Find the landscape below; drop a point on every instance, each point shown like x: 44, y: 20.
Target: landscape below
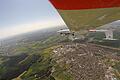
x: 55, y: 57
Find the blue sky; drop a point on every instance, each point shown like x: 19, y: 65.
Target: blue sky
x: 28, y: 14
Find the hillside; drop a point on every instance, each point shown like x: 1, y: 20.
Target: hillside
x: 20, y: 59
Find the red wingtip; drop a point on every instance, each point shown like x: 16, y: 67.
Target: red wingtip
x: 84, y: 4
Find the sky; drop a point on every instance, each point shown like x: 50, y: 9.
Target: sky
x: 21, y: 16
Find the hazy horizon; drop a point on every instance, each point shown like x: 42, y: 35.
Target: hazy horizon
x: 43, y: 29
